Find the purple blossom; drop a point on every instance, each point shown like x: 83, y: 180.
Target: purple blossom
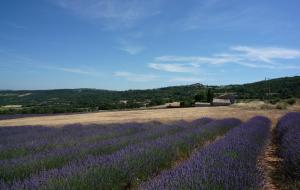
x: 131, y: 163
x: 288, y: 134
x: 55, y: 158
x: 229, y: 163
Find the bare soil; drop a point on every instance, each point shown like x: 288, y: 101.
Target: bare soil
x: 268, y: 163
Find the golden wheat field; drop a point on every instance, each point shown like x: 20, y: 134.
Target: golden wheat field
x: 162, y: 115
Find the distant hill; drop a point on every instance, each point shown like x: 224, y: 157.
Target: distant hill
x: 80, y: 100
x: 285, y: 87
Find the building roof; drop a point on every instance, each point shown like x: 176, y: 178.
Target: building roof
x: 223, y: 101
x: 227, y: 96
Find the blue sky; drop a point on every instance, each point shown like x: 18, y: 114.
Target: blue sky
x: 138, y: 44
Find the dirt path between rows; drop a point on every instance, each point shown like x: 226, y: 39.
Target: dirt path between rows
x: 181, y: 160
x: 269, y: 162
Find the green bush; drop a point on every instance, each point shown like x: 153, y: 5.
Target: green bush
x: 274, y: 101
x: 281, y: 105
x: 291, y: 101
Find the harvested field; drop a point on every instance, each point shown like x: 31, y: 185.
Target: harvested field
x: 162, y: 115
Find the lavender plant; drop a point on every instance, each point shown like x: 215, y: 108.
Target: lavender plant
x: 22, y: 167
x: 127, y: 166
x: 228, y: 164
x: 288, y: 136
x: 21, y: 141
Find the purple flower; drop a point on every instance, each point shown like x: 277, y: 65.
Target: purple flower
x: 132, y: 163
x: 229, y: 163
x: 288, y: 134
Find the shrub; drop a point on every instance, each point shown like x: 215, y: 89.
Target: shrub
x: 291, y: 101
x: 274, y: 101
x: 281, y: 105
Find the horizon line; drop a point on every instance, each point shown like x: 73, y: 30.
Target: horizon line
x: 86, y: 88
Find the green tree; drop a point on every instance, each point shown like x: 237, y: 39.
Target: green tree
x: 210, y: 95
x: 201, y: 96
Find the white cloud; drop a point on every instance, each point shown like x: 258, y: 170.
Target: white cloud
x: 26, y: 61
x: 115, y: 12
x: 185, y: 80
x: 198, y: 59
x: 122, y: 74
x: 176, y: 68
x: 130, y: 47
x: 253, y: 57
x: 135, y: 77
x: 226, y: 15
x: 267, y: 54
x: 72, y: 70
x: 133, y: 50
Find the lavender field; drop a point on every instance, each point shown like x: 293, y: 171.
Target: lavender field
x: 288, y: 139
x: 203, y: 154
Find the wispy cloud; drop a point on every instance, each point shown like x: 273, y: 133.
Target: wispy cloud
x: 135, y: 77
x: 130, y: 47
x: 26, y: 61
x: 133, y: 50
x: 229, y: 15
x: 14, y: 25
x: 72, y: 70
x: 115, y: 13
x: 185, y: 80
x: 225, y: 20
x: 267, y: 54
x: 253, y: 57
x: 197, y: 59
x: 176, y: 68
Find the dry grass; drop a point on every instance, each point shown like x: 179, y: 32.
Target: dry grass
x: 254, y: 105
x: 162, y: 115
x: 261, y: 105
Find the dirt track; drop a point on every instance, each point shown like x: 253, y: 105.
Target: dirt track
x: 163, y: 115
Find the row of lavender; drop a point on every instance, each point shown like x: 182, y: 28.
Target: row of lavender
x: 230, y: 163
x: 288, y: 136
x: 22, y: 167
x: 129, y: 163
x: 56, y: 151
x: 21, y: 141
